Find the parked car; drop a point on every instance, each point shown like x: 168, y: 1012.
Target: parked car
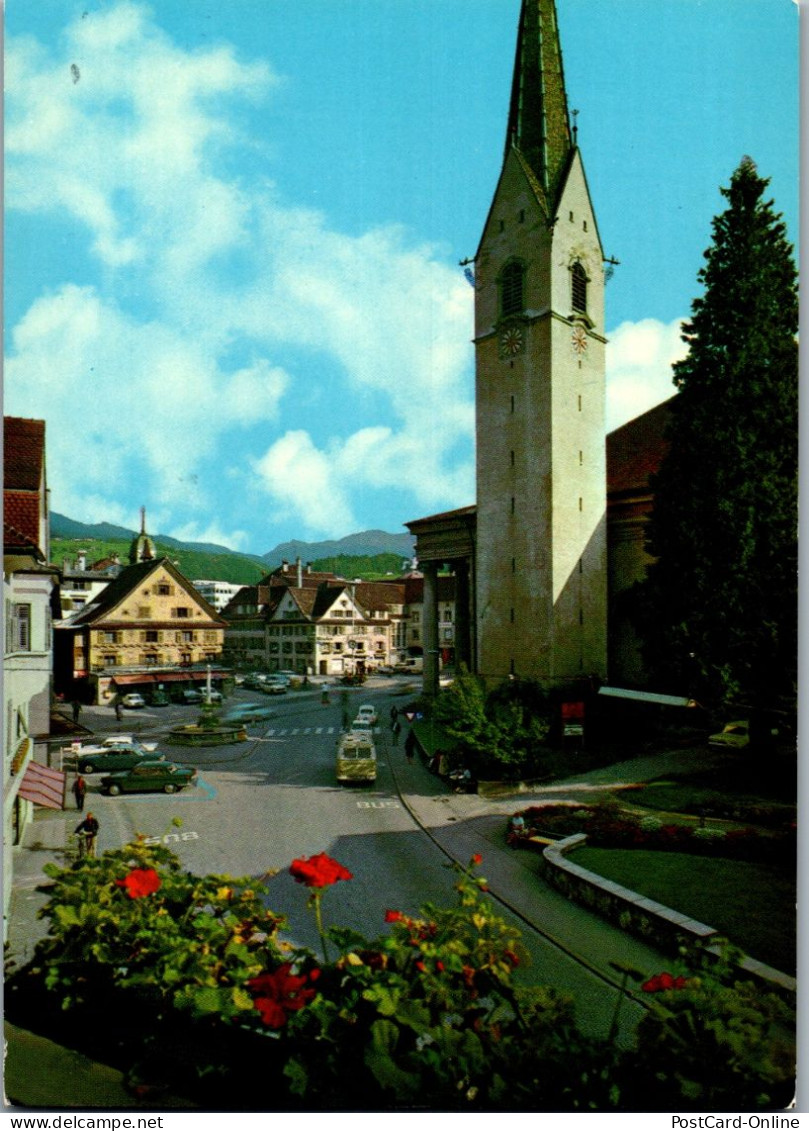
x: 249, y: 713
x: 368, y: 712
x: 149, y: 777
x: 735, y: 735
x: 192, y: 695
x: 114, y: 758
x: 133, y: 700
x: 128, y: 740
x: 272, y: 686
x: 159, y: 698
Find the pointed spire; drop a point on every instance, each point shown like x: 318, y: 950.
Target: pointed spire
x: 538, y: 122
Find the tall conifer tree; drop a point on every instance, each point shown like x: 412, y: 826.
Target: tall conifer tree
x: 721, y: 597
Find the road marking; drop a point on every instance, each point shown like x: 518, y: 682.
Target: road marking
x: 170, y: 838
x: 379, y: 805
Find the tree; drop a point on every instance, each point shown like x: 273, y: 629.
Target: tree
x: 721, y: 594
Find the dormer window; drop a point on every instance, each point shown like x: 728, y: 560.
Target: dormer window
x: 511, y: 289
x: 578, y: 288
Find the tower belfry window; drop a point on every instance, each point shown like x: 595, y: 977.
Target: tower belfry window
x: 578, y: 287
x: 511, y: 289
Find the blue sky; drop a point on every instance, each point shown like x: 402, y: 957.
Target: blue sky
x: 233, y: 233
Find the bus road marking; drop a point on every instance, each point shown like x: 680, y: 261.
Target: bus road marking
x: 379, y: 805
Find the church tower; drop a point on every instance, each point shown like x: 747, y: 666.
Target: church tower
x: 541, y: 555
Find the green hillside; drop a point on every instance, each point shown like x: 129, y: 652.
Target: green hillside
x: 236, y: 568
x: 193, y: 564
x: 373, y: 567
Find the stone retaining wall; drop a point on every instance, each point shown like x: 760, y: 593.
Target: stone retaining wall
x: 659, y: 925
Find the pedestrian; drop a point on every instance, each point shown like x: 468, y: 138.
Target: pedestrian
x: 79, y: 791
x: 394, y: 714
x: 410, y: 746
x: 118, y: 711
x: 87, y: 831
x: 76, y: 705
x: 396, y: 728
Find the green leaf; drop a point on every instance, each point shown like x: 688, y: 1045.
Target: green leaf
x: 379, y: 1059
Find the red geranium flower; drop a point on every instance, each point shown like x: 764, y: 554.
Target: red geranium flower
x: 319, y: 871
x: 281, y: 993
x: 660, y: 982
x: 140, y: 882
x: 477, y: 859
x: 393, y: 916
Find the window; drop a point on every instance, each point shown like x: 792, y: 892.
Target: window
x: 511, y: 288
x: 109, y: 637
x: 109, y: 661
x: 18, y: 628
x: 163, y: 589
x: 182, y: 612
x: 578, y: 284
x: 151, y: 636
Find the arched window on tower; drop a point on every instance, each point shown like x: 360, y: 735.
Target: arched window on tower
x: 578, y: 287
x: 511, y: 289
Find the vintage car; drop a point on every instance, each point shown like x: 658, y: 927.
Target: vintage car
x: 149, y: 777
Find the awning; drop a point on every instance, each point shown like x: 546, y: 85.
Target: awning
x: 165, y: 677
x: 647, y: 697
x: 43, y: 786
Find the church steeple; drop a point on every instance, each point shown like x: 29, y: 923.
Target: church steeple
x: 142, y: 548
x: 538, y: 122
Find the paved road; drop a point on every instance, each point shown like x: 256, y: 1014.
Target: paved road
x: 260, y: 804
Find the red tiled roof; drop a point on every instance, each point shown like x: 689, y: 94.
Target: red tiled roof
x: 636, y: 450
x: 23, y: 453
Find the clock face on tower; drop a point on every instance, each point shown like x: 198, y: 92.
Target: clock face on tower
x: 579, y: 339
x: 511, y: 341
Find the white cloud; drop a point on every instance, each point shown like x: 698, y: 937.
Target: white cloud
x: 126, y: 145
x: 297, y: 475
x: 639, y: 360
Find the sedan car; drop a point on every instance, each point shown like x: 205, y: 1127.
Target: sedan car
x: 368, y: 712
x: 149, y: 777
x: 272, y: 686
x: 114, y: 758
x: 133, y: 700
x: 129, y: 740
x: 249, y: 713
x: 734, y: 735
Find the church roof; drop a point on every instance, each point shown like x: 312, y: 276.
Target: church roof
x: 636, y: 450
x: 538, y: 121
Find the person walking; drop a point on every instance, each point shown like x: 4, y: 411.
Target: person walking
x: 410, y: 746
x: 394, y: 714
x: 118, y: 711
x: 87, y: 831
x: 396, y: 728
x: 79, y: 792
x: 76, y: 706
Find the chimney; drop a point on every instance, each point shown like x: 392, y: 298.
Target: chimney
x: 284, y: 565
x: 300, y: 572
x: 81, y: 560
x: 308, y: 567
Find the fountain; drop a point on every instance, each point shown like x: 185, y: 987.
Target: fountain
x: 209, y: 730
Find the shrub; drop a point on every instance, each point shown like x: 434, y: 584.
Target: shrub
x: 187, y: 983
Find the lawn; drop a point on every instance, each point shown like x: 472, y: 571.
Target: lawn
x: 752, y: 904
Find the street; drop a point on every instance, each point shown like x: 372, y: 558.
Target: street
x: 259, y: 804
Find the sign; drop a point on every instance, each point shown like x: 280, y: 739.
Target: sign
x: 573, y: 710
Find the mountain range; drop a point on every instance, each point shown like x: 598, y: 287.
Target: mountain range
x: 366, y: 544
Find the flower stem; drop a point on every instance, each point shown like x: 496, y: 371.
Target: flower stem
x: 316, y: 895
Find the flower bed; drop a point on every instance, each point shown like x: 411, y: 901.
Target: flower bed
x: 187, y: 984
x: 610, y: 826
